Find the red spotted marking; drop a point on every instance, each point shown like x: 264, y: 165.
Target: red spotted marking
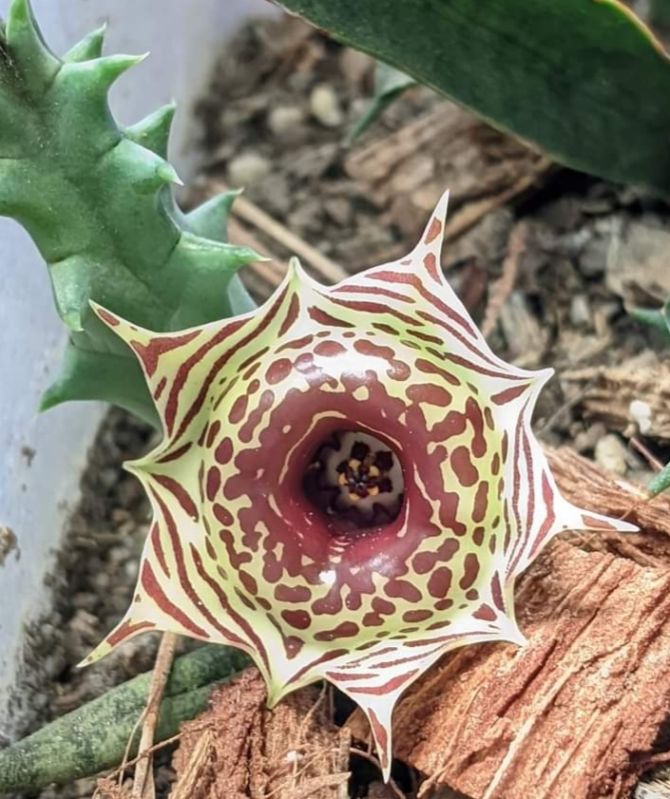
x: 375, y: 308
x: 154, y: 591
x: 224, y: 451
x: 594, y: 523
x: 485, y: 613
x: 430, y: 394
x: 480, y: 504
x: 434, y: 230
x: 298, y: 619
x: 108, y: 317
x: 179, y: 493
x: 509, y: 394
x: 127, y: 629
x: 374, y: 291
x: 430, y: 262
x: 197, y: 357
x: 160, y: 388
x: 175, y: 454
x: 435, y: 302
x: 386, y: 688
x: 324, y: 318
x: 157, y: 544
x: 380, y: 736
x: 329, y: 349
x: 296, y: 344
x: 294, y: 593
x: 347, y: 629
x: 277, y: 371
x: 291, y: 315
x: 213, y: 483
x: 461, y: 463
x: 151, y: 353
x: 239, y: 409
x: 470, y: 571
x: 439, y: 582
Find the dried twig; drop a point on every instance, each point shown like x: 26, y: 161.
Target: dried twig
x: 104, y: 783
x: 143, y: 784
x: 652, y: 461
x: 503, y: 287
x: 249, y: 212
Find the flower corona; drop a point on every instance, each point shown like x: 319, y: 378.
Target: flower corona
x: 348, y: 484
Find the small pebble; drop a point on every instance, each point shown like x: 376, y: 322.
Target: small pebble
x: 247, y: 168
x: 610, y: 454
x: 640, y: 412
x: 285, y: 118
x: 593, y: 260
x: 586, y: 440
x: 580, y: 311
x: 339, y: 210
x: 355, y: 66
x: 325, y: 106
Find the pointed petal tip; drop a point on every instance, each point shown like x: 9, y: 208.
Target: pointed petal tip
x: 295, y: 273
x: 598, y: 522
x: 109, y: 319
x: 442, y: 205
x: 542, y: 376
x: 511, y: 632
x: 627, y: 527
x: 97, y: 654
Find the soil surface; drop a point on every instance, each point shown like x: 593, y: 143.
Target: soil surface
x: 282, y: 101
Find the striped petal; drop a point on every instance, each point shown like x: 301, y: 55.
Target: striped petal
x: 348, y: 483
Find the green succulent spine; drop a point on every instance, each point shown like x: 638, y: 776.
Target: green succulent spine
x: 97, y: 200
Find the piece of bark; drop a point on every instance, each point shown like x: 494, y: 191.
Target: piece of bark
x: 445, y: 148
x: 239, y: 749
x: 608, y: 394
x: 577, y: 712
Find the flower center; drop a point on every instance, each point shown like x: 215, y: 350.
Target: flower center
x: 355, y: 479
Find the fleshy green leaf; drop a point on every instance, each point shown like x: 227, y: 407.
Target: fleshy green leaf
x: 89, y: 47
x: 584, y: 80
x: 96, y: 199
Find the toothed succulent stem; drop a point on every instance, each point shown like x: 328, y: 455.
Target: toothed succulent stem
x: 97, y: 201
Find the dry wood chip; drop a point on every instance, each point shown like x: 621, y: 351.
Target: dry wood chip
x: 626, y: 399
x: 447, y: 147
x: 238, y: 749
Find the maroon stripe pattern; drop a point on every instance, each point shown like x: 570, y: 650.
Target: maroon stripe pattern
x: 238, y: 554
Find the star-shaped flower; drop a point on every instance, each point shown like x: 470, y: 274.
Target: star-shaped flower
x: 348, y: 483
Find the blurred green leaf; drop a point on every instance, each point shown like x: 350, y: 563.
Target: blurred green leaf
x: 653, y: 317
x: 584, y: 80
x: 659, y: 14
x: 390, y: 83
x: 660, y: 482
